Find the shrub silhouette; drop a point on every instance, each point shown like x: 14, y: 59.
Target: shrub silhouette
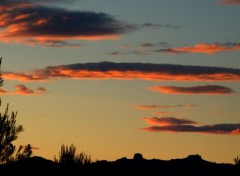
x: 23, y: 152
x: 68, y: 156
x: 237, y: 160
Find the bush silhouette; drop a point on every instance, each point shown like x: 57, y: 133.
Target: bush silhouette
x: 23, y: 152
x: 237, y: 160
x: 68, y: 156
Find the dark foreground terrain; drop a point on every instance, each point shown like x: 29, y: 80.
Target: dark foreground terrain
x: 192, y: 165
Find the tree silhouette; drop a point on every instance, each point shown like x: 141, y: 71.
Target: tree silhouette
x: 8, y: 131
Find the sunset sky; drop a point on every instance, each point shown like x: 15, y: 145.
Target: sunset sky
x: 156, y: 77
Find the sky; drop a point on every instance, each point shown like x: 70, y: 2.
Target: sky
x: 114, y: 78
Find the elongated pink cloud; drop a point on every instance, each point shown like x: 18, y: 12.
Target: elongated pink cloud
x: 168, y: 121
x: 150, y: 107
x: 172, y: 124
x: 230, y: 2
x: 203, y: 48
x: 23, y: 90
x: 208, y: 89
x: 128, y: 71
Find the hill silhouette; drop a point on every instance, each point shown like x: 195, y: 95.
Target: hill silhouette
x: 193, y: 165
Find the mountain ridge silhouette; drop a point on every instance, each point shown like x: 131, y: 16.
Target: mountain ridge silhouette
x: 192, y: 165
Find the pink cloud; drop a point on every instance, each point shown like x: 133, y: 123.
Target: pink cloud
x: 207, y: 89
x: 23, y: 90
x: 128, y: 71
x: 168, y: 121
x: 172, y: 124
x: 202, y: 48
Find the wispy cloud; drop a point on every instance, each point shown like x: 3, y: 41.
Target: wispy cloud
x: 202, y: 48
x: 128, y: 71
x: 147, y: 44
x: 152, y: 107
x: 143, y: 48
x: 117, y: 53
x: 207, y: 89
x: 173, y: 124
x: 23, y: 90
x: 229, y: 2
x: 54, y: 43
x: 157, y: 26
x: 22, y: 21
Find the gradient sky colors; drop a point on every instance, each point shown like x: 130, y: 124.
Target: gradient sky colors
x: 114, y: 78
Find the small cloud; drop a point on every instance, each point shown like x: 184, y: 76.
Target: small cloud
x: 2, y: 91
x: 151, y: 107
x: 168, y: 121
x: 208, y: 89
x: 41, y: 90
x: 150, y: 45
x: 229, y: 2
x: 202, y: 48
x: 173, y: 124
x: 157, y: 26
x: 23, y: 90
x: 54, y: 43
x: 116, y: 53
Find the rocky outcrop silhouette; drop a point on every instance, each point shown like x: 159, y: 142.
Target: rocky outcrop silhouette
x: 193, y: 165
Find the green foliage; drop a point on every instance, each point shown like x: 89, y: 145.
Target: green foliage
x: 237, y: 160
x: 68, y: 156
x: 8, y: 133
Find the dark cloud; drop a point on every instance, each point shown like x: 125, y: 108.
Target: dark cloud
x: 28, y: 21
x: 156, y: 26
x: 54, y: 43
x: 128, y: 71
x: 150, y: 107
x: 117, y: 53
x: 143, y: 48
x: 169, y: 50
x: 207, y: 89
x: 172, y: 124
x: 147, y: 44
